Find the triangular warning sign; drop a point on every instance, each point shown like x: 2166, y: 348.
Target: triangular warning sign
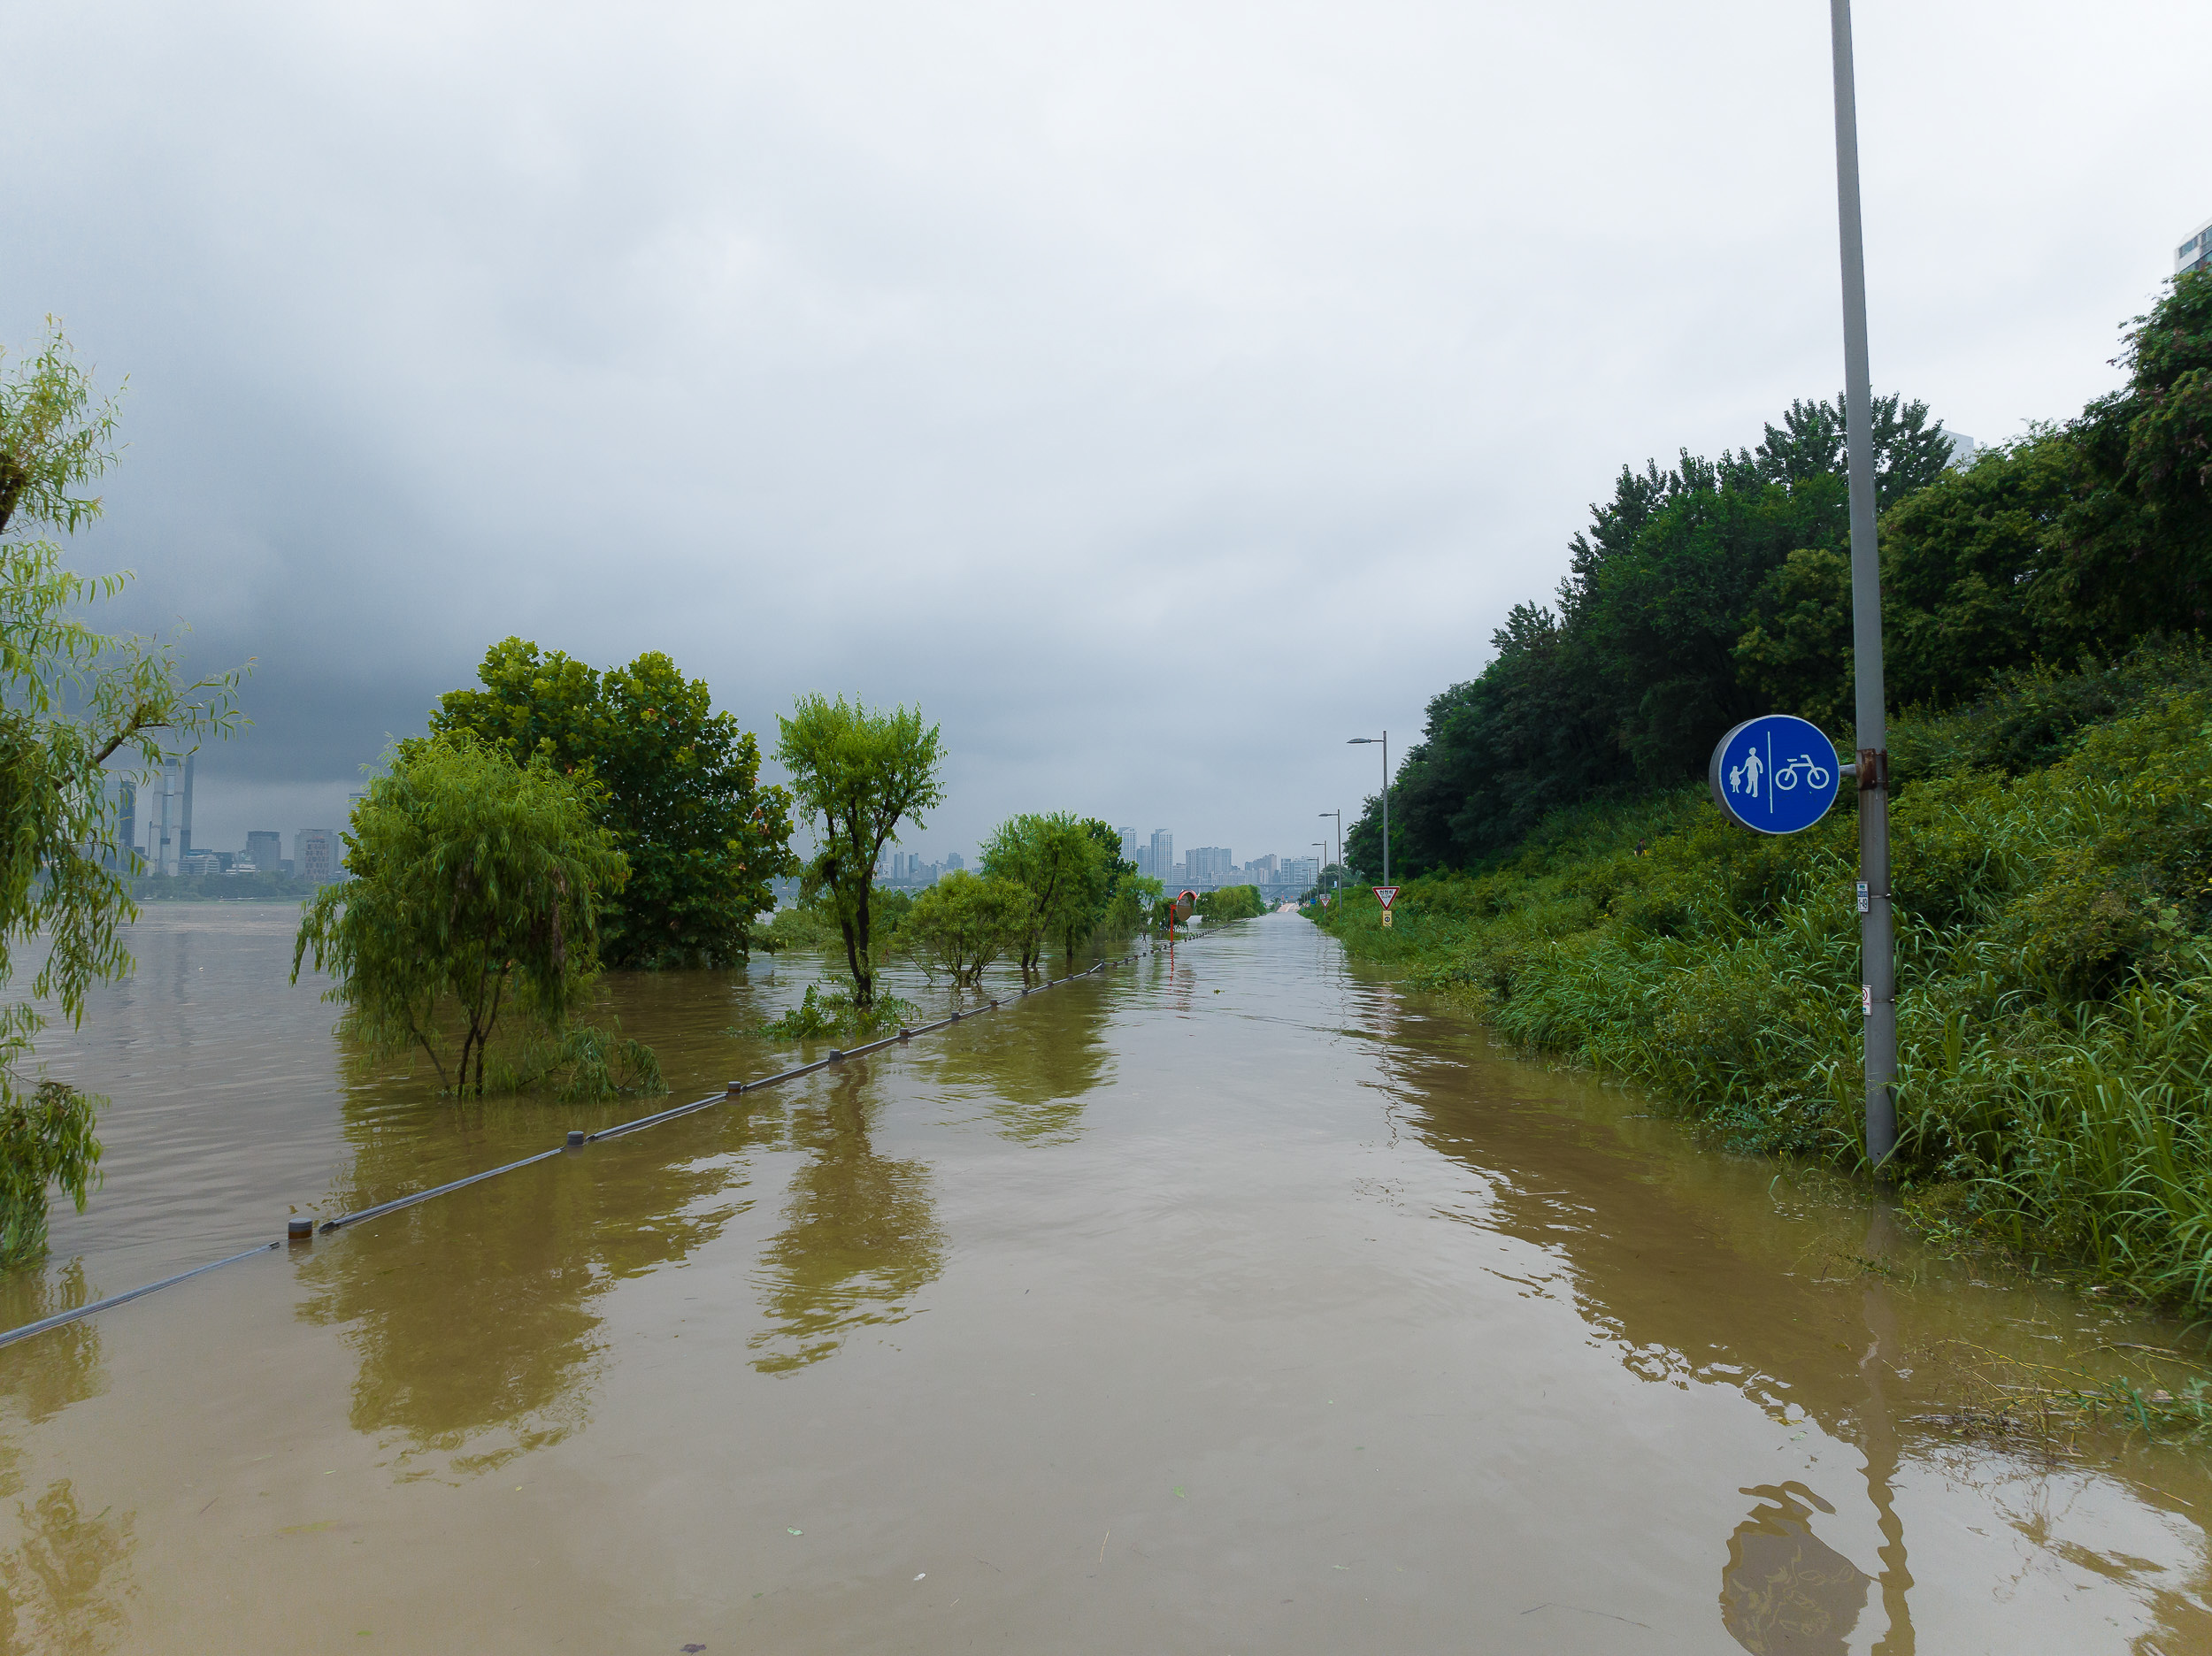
x: 1385, y: 892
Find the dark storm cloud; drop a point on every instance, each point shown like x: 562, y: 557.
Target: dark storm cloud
x: 1157, y: 395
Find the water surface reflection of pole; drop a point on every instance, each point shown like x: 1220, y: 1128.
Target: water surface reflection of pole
x: 1878, y: 948
x: 1882, y: 1446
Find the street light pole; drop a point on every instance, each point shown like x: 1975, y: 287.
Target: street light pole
x: 1385, y: 739
x: 1322, y: 846
x: 1340, y: 844
x: 1878, y: 943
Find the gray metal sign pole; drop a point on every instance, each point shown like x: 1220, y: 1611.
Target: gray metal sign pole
x: 1878, y: 943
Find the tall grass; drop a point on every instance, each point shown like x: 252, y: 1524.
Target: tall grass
x: 2054, y: 880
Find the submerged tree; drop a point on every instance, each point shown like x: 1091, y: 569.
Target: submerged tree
x: 862, y: 774
x: 1061, y: 867
x: 679, y: 790
x: 962, y: 923
x: 476, y: 892
x: 72, y: 701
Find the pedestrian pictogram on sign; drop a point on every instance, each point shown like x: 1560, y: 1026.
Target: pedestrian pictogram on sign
x: 1775, y: 774
x: 1387, y: 893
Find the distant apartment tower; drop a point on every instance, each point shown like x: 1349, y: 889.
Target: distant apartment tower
x: 1209, y: 862
x: 264, y: 849
x: 953, y: 861
x: 1131, y: 846
x: 125, y: 854
x: 2195, y: 254
x: 1263, y: 870
x: 169, y: 836
x: 1163, y: 863
x: 315, y: 855
x: 1963, y: 449
x: 1303, y: 873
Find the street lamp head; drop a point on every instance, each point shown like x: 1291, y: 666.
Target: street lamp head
x: 1356, y: 740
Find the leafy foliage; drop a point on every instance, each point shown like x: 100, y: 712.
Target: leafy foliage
x: 678, y: 790
x: 861, y: 774
x: 962, y: 923
x: 478, y: 889
x: 72, y: 701
x: 46, y: 1137
x: 1230, y: 902
x: 1060, y: 866
x: 837, y: 1015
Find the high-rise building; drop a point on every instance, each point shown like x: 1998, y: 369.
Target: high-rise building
x: 184, y: 831
x: 1129, y: 845
x: 126, y: 857
x: 952, y: 861
x: 1210, y: 862
x: 2195, y: 254
x: 162, y: 841
x: 264, y: 849
x: 1963, y: 449
x: 1303, y: 873
x: 1262, y: 870
x: 315, y: 853
x: 1163, y: 865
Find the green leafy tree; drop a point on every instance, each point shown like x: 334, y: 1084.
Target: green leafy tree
x: 1230, y: 902
x: 1121, y: 898
x: 2081, y: 538
x: 72, y: 701
x: 962, y: 923
x: 861, y: 774
x: 476, y: 892
x: 679, y: 789
x: 1795, y: 657
x: 1055, y: 859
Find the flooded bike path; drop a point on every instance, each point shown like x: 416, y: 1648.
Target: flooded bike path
x: 1231, y: 1303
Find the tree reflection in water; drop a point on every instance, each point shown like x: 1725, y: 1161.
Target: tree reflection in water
x: 860, y: 1236
x: 1701, y: 1270
x: 46, y: 1374
x: 65, y: 1576
x: 1033, y: 1068
x: 474, y: 1315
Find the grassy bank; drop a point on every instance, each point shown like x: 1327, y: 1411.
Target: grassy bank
x: 2053, y: 876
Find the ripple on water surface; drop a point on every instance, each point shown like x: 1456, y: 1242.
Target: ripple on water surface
x: 1234, y: 1301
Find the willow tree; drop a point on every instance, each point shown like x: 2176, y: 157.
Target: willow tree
x: 861, y: 774
x: 74, y: 701
x: 477, y: 893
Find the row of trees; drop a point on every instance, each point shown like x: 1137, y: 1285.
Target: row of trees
x: 1719, y: 589
x: 1046, y: 878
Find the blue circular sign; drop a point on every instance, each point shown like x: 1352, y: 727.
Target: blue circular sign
x: 1775, y: 775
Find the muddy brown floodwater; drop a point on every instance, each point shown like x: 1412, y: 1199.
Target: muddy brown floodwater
x: 1238, y: 1302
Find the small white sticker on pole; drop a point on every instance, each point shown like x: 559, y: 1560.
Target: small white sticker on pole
x: 1864, y: 902
x: 1387, y: 893
x: 1866, y: 999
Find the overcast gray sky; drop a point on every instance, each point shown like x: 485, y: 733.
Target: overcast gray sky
x: 1157, y: 395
